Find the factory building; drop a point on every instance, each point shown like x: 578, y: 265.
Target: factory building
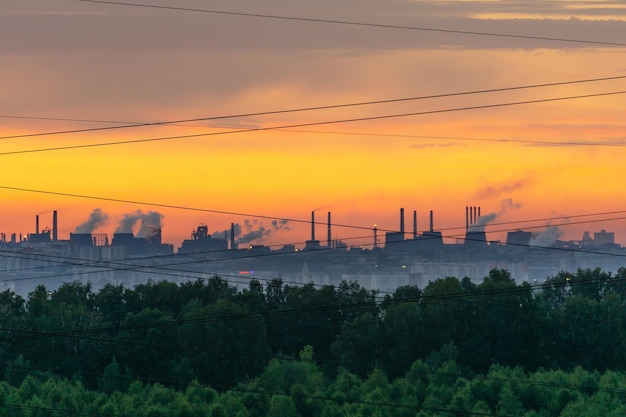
x: 202, y: 242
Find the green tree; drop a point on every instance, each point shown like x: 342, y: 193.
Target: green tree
x: 147, y: 345
x: 224, y: 346
x: 358, y: 346
x: 282, y: 406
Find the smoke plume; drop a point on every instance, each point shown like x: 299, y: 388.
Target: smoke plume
x: 546, y: 238
x: 96, y: 219
x: 150, y: 221
x: 220, y: 234
x: 252, y: 230
x: 482, y: 221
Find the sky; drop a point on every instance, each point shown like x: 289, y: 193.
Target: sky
x: 70, y: 65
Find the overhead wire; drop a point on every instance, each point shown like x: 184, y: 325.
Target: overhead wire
x: 115, y: 265
x: 118, y: 265
x: 445, y: 297
x: 482, y: 377
x: 363, y: 24
x: 437, y: 299
x: 617, y: 142
x: 604, y: 319
x: 420, y: 299
x: 307, y: 124
x: 289, y: 219
x: 109, y: 2
x: 126, y: 125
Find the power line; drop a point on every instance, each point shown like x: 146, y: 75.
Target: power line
x: 289, y: 219
x: 456, y: 296
x: 421, y: 299
x: 126, y: 125
x: 363, y: 24
x: 616, y: 143
x: 327, y: 122
x: 125, y: 267
x: 167, y: 271
x: 342, y: 225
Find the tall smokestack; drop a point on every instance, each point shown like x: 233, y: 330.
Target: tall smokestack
x: 474, y: 216
x: 478, y: 214
x: 431, y: 221
x: 312, y: 225
x: 232, y: 236
x: 55, y: 228
x: 402, y: 222
x: 37, y: 224
x: 414, y: 224
x: 466, y: 218
x: 329, y: 237
x: 375, y: 236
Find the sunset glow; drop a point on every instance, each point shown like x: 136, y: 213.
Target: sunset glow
x: 551, y: 159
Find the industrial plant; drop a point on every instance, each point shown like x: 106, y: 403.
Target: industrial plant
x: 43, y: 258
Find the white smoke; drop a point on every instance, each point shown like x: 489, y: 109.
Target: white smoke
x: 252, y: 230
x: 150, y: 221
x: 546, y: 238
x: 96, y: 219
x: 482, y: 221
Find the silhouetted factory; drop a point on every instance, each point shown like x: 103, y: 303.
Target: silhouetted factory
x: 42, y: 258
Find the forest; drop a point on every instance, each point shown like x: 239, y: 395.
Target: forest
x: 207, y: 348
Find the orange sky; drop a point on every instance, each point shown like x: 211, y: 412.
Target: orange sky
x: 363, y: 172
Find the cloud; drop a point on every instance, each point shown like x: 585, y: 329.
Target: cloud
x: 96, y: 219
x: 433, y: 145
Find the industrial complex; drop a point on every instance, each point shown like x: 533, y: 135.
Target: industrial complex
x: 398, y: 258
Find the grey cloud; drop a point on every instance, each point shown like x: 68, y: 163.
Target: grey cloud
x: 168, y: 29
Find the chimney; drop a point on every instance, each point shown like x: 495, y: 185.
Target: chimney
x: 402, y: 222
x: 414, y: 224
x: 478, y: 213
x: 55, y: 235
x: 232, y: 236
x: 329, y: 234
x: 312, y: 226
x: 37, y: 224
x: 431, y: 221
x: 375, y: 236
x: 466, y: 218
x: 474, y: 216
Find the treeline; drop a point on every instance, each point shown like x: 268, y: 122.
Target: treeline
x: 212, y: 334
x: 437, y: 387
